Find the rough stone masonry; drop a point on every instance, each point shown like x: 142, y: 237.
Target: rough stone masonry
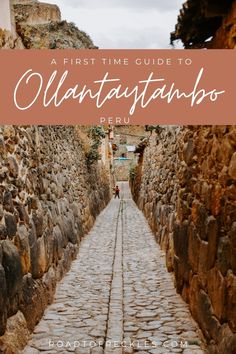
x: 186, y: 185
x: 49, y: 199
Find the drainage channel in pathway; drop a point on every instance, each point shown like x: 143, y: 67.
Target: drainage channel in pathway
x: 118, y: 296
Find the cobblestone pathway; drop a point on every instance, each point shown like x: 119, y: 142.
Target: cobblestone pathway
x: 118, y: 290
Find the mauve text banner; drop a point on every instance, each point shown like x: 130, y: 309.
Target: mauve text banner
x: 117, y: 87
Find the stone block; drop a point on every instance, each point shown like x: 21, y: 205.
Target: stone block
x: 33, y: 249
x: 193, y: 248
x: 49, y: 283
x: 230, y: 302
x: 226, y: 151
x: 22, y: 244
x: 205, y: 315
x: 49, y: 247
x: 23, y: 216
x: 13, y: 273
x: 2, y: 148
x: 179, y: 274
x: 33, y: 290
x: 224, y: 255
x: 216, y: 292
x: 181, y: 240
x: 189, y: 151
x: 203, y: 266
x: 9, y: 131
x: 232, y: 167
x: 3, y: 301
x: 1, y: 212
x: 199, y: 215
x: 11, y: 225
x: 231, y: 136
x: 13, y: 167
x: 212, y: 237
x: 69, y: 229
x: 38, y: 257
x: 8, y: 202
x: 38, y: 220
x: 232, y: 237
x: 16, y: 335
x: 3, y: 232
x: 231, y: 192
x: 58, y: 238
x: 41, y: 257
x: 227, y: 341
x: 205, y: 193
x: 216, y: 200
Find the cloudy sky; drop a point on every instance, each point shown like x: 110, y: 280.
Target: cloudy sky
x: 144, y: 24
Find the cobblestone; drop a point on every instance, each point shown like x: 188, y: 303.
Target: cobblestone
x: 118, y: 296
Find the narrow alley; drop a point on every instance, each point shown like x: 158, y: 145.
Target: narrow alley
x: 118, y: 296
x: 153, y: 272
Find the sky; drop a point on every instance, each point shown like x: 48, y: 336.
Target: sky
x: 127, y: 24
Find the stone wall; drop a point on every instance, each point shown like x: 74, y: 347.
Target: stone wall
x: 207, y: 24
x: 49, y: 199
x: 185, y: 184
x: 36, y: 13
x: 225, y: 36
x: 38, y: 25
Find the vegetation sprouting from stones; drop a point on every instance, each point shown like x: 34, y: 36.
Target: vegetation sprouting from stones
x: 96, y: 133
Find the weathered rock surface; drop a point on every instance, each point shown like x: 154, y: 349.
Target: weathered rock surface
x: 54, y: 35
x: 186, y: 187
x: 49, y: 199
x: 38, y: 25
x: 17, y: 335
x: 207, y: 24
x: 9, y: 40
x: 35, y: 13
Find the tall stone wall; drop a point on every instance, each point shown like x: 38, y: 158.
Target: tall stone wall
x: 207, y: 24
x: 225, y: 36
x: 185, y: 184
x: 49, y: 199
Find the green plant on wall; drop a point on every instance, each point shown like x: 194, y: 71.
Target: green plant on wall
x: 96, y: 133
x: 132, y: 173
